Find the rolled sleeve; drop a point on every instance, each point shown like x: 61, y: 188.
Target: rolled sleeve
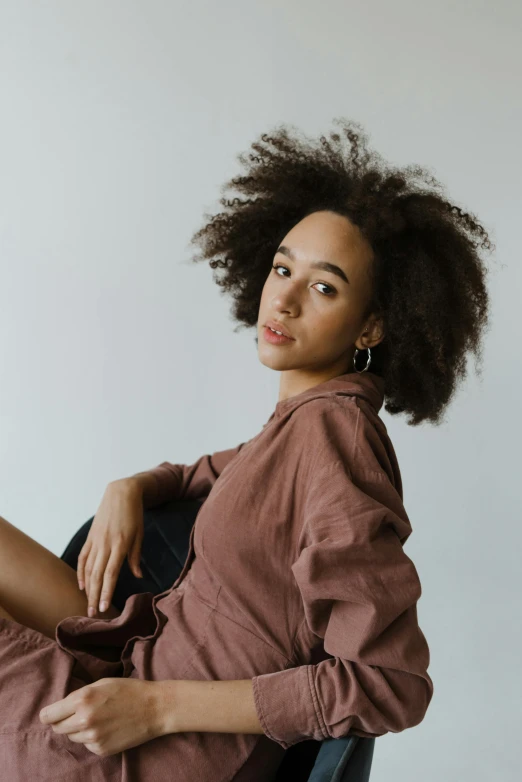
x: 285, y: 724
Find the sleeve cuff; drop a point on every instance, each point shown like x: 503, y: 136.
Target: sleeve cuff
x: 287, y: 706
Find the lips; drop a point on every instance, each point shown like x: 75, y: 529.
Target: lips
x: 273, y: 324
x: 276, y: 339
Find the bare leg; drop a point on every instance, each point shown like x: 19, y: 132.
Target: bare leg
x: 37, y: 588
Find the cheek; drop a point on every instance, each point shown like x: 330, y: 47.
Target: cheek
x: 268, y: 292
x: 334, y: 328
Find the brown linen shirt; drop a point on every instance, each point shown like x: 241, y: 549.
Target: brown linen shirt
x: 296, y: 578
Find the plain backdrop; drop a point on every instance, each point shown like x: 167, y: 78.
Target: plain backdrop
x: 120, y: 121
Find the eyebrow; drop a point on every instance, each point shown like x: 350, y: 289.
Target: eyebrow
x: 324, y: 265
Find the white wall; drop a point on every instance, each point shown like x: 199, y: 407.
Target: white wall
x: 119, y: 122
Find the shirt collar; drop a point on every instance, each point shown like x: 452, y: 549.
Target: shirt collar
x: 366, y: 385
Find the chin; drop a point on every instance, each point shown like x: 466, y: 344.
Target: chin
x: 273, y: 363
x: 272, y: 360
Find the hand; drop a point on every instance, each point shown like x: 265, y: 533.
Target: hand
x: 116, y: 530
x: 108, y: 716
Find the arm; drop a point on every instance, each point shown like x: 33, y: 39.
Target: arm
x: 207, y: 706
x: 375, y: 683
x: 170, y: 481
x: 360, y: 593
x: 376, y: 680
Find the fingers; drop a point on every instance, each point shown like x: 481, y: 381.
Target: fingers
x: 103, y: 575
x: 82, y: 558
x: 99, y: 568
x: 110, y: 577
x: 135, y: 555
x: 94, y: 570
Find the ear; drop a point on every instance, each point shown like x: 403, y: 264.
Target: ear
x: 371, y: 334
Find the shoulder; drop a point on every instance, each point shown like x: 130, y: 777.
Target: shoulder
x: 352, y: 478
x: 339, y: 428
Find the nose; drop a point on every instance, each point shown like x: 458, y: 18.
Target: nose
x: 286, y: 301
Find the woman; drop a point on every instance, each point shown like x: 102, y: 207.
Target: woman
x: 295, y: 615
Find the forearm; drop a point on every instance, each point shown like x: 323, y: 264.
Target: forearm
x: 206, y: 706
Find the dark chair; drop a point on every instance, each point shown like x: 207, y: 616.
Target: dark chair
x: 164, y: 551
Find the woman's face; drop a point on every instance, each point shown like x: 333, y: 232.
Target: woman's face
x: 320, y: 308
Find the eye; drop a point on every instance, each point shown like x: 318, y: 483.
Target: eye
x: 279, y: 266
x: 332, y: 290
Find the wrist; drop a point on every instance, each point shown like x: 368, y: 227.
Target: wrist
x: 184, y: 705
x: 132, y: 485
x: 164, y: 711
x: 144, y: 485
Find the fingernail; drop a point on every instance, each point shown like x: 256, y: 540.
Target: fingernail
x: 81, y: 584
x: 103, y: 605
x: 90, y: 611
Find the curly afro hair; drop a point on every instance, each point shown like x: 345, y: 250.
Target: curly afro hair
x: 428, y: 279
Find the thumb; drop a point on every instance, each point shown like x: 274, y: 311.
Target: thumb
x: 134, y: 556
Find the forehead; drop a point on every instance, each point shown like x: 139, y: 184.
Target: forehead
x: 328, y: 236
